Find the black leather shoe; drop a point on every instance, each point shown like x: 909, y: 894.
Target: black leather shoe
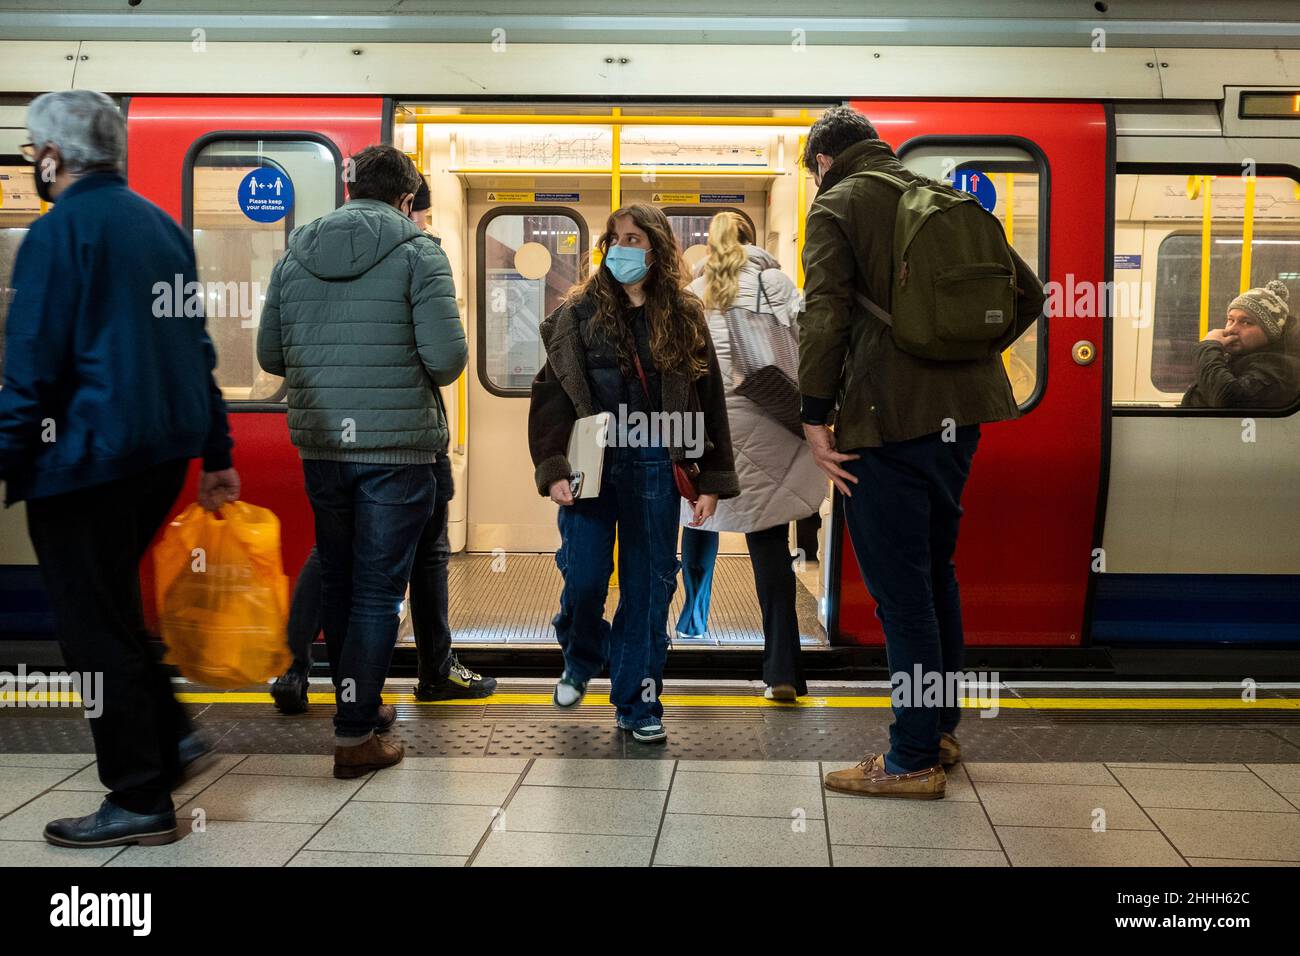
x: 460, y: 682
x: 111, y: 825
x: 290, y: 693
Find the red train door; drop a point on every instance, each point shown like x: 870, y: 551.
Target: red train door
x: 1031, y: 503
x: 193, y: 156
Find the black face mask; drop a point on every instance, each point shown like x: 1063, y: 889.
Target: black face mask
x: 44, y: 185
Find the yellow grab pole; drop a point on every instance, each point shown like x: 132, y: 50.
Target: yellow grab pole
x: 1247, y: 233
x: 801, y: 210
x: 616, y: 161
x: 615, y: 200
x: 1207, y: 221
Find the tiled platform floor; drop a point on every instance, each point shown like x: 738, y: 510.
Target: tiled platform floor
x: 287, y: 810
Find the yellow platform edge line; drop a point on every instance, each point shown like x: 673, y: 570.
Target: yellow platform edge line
x: 877, y: 702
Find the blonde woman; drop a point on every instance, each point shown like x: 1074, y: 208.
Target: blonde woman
x: 751, y: 307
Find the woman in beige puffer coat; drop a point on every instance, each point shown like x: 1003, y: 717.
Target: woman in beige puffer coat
x: 752, y: 308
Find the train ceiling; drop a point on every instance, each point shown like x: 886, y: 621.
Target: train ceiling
x: 1257, y: 24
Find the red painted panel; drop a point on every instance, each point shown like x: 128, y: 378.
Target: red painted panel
x: 161, y: 130
x: 1025, y: 547
x: 160, y: 133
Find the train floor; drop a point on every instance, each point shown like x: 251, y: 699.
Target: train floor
x: 511, y: 598
x: 1054, y: 774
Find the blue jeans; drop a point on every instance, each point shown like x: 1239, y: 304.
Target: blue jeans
x: 368, y: 521
x: 638, y: 497
x: 429, y: 601
x: 699, y: 556
x: 903, y: 517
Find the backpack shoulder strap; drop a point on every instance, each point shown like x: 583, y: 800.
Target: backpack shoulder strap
x: 874, y: 309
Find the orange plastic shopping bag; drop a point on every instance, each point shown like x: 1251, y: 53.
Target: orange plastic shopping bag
x: 223, y: 596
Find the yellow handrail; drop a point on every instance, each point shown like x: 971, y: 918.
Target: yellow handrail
x: 1207, y: 221
x: 801, y: 206
x: 714, y: 171
x: 1247, y: 233
x: 614, y: 117
x: 615, y: 200
x: 615, y: 164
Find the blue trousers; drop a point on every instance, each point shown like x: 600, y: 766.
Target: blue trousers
x: 429, y: 596
x: 368, y: 521
x: 639, y: 498
x: 903, y: 516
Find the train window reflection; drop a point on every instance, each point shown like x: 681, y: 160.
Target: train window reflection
x: 236, y: 253
x: 691, y: 227
x: 1009, y: 180
x: 528, y: 261
x: 19, y: 206
x: 1179, y: 244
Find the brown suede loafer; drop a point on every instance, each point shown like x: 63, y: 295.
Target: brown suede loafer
x: 374, y: 753
x: 949, y: 750
x: 870, y: 779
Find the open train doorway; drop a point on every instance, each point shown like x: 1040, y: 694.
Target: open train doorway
x: 520, y: 196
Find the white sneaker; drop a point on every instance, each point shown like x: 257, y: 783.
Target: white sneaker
x: 650, y: 734
x: 567, y: 692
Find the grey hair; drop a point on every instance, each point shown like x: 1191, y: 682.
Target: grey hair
x: 85, y: 125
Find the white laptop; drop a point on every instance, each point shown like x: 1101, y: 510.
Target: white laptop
x: 587, y: 454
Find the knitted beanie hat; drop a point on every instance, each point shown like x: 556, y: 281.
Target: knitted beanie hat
x: 422, y: 199
x: 1267, y: 306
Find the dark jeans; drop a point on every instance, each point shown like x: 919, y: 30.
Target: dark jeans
x: 428, y: 593
x: 368, y: 522
x: 638, y: 496
x: 769, y: 553
x: 903, y: 517
x: 89, y: 544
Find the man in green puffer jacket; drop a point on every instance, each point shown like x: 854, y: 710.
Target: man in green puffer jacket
x: 361, y: 320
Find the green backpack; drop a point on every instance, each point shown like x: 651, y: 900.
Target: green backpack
x: 954, y: 285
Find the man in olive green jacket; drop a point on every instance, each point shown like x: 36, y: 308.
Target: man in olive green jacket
x: 361, y: 319
x: 906, y: 430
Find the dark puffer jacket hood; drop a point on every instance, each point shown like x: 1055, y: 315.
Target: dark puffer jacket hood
x: 351, y: 240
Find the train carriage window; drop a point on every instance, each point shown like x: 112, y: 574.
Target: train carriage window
x: 528, y: 259
x: 1014, y: 183
x: 1170, y: 228
x: 19, y: 207
x: 236, y: 252
x: 690, y: 225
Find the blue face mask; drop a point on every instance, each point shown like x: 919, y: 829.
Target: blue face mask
x: 626, y: 264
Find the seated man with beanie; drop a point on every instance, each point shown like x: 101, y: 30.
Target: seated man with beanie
x: 1247, y: 363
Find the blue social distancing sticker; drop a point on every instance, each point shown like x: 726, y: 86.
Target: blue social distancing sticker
x: 978, y: 185
x: 266, y: 195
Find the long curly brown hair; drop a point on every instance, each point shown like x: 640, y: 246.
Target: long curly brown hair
x: 674, y: 316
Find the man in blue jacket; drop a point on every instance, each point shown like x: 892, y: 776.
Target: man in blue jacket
x: 107, y: 396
